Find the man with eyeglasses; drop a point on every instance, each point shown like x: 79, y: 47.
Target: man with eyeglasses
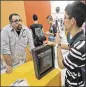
x: 75, y: 60
x: 14, y: 39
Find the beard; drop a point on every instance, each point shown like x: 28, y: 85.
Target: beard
x: 19, y: 27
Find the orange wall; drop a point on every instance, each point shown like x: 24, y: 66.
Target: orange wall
x: 41, y: 8
x: 25, y: 9
x: 8, y: 7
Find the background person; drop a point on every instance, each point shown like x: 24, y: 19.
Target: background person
x: 52, y: 30
x: 38, y: 33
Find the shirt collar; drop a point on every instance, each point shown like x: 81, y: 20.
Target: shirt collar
x: 75, y: 36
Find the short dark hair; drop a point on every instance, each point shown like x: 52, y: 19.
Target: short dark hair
x: 50, y: 18
x: 78, y: 11
x: 35, y: 17
x: 11, y: 15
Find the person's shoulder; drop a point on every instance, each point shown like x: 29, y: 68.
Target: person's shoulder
x: 27, y: 29
x: 33, y: 25
x: 40, y: 25
x: 6, y: 28
x: 24, y: 27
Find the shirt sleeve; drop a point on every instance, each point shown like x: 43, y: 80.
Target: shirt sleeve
x: 30, y: 39
x: 5, y: 49
x: 75, y: 58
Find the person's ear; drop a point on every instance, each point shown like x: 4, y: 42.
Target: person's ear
x: 73, y: 21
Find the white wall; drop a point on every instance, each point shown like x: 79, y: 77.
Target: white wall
x: 62, y: 5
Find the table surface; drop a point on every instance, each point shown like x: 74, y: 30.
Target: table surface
x: 27, y: 71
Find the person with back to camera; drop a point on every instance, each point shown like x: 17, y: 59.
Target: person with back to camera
x: 74, y: 17
x: 37, y: 30
x: 14, y: 39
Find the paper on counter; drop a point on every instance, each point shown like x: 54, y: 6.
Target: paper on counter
x: 20, y: 82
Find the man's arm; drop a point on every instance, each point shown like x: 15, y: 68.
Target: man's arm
x: 48, y: 33
x: 59, y: 52
x: 5, y: 50
x: 64, y: 46
x: 8, y: 61
x: 60, y: 57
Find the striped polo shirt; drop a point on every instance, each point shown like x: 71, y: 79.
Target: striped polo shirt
x: 74, y: 61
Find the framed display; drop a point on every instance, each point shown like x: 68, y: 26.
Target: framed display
x: 43, y: 58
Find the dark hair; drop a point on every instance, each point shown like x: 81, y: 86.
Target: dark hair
x: 50, y: 18
x: 11, y: 15
x: 35, y: 17
x: 78, y: 11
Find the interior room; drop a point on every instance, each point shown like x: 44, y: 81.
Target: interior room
x: 30, y: 53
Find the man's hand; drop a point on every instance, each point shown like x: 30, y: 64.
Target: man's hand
x: 9, y: 69
x: 8, y: 61
x: 58, y: 39
x: 50, y: 43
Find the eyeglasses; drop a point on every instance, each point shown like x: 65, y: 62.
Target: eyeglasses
x: 16, y: 21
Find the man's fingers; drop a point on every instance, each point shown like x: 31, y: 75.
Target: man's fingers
x: 9, y: 70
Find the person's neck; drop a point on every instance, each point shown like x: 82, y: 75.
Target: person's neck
x: 36, y: 22
x: 75, y: 30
